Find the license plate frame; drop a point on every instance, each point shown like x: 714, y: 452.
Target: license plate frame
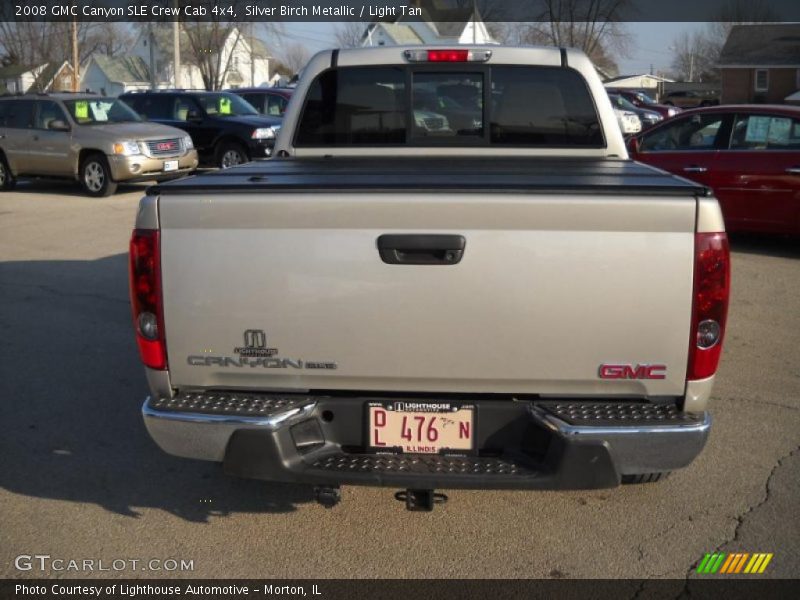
x: 170, y: 165
x: 446, y: 418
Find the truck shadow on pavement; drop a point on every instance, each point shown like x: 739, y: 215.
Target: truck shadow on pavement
x: 766, y: 245
x: 72, y: 388
x: 65, y: 187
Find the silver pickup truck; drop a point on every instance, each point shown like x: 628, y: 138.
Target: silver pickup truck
x: 451, y: 276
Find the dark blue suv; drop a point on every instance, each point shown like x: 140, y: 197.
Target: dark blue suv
x: 225, y: 129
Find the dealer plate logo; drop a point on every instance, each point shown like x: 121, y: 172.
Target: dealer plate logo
x: 255, y: 344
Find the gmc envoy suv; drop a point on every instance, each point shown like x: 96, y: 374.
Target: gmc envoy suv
x: 95, y: 140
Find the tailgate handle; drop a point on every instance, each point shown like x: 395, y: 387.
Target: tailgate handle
x: 421, y: 249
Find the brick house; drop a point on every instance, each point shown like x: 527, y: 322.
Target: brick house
x: 760, y: 63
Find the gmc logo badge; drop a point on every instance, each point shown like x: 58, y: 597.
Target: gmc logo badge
x: 165, y: 146
x: 633, y: 372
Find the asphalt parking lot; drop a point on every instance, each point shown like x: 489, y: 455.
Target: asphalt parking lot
x: 80, y: 478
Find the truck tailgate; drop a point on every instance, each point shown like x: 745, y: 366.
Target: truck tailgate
x: 287, y: 290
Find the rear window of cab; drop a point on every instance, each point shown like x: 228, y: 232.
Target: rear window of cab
x: 463, y: 106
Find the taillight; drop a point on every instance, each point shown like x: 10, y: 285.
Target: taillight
x: 712, y: 282
x: 454, y: 55
x: 145, y: 284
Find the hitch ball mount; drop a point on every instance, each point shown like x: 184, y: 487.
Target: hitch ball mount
x: 416, y: 500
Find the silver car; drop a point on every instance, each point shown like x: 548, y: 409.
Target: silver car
x: 95, y: 140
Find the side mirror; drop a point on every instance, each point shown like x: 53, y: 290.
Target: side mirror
x: 58, y: 125
x: 193, y: 115
x: 633, y: 146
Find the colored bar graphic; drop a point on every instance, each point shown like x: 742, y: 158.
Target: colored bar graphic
x: 734, y: 563
x: 701, y: 568
x: 727, y: 564
x: 752, y: 562
x: 767, y: 558
x: 712, y: 561
x: 717, y: 563
x: 740, y: 564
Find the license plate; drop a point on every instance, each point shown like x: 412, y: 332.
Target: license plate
x: 424, y: 428
x: 170, y: 165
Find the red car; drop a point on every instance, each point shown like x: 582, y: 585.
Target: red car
x: 749, y: 155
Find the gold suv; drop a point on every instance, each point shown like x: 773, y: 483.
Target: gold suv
x: 95, y: 140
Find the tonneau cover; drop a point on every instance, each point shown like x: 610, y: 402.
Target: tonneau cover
x: 530, y: 174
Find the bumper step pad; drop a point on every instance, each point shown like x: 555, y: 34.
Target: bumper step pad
x: 229, y: 403
x: 620, y: 414
x: 420, y: 464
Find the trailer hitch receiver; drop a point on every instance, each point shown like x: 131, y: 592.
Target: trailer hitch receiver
x: 327, y: 495
x: 420, y: 500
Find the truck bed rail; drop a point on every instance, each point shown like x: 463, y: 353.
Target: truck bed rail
x: 528, y: 174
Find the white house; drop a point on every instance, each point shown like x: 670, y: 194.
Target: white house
x: 246, y: 57
x: 645, y: 81
x: 402, y: 31
x: 114, y: 76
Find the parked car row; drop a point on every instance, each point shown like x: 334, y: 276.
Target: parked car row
x: 141, y: 136
x: 749, y: 155
x: 636, y: 111
x: 641, y: 100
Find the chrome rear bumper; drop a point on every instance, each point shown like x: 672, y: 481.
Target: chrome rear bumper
x: 206, y: 436
x: 519, y: 444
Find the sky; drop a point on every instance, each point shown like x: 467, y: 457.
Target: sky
x: 649, y: 45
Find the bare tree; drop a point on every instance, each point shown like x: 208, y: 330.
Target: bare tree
x: 209, y: 45
x: 293, y: 56
x: 210, y: 48
x: 280, y: 69
x: 696, y: 56
x: 113, y: 39
x: 350, y: 34
x: 594, y: 26
x: 36, y: 43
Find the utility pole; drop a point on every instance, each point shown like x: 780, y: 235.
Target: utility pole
x: 176, y: 52
x: 691, y: 66
x: 150, y: 39
x: 252, y: 56
x: 474, y: 19
x: 75, y: 66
